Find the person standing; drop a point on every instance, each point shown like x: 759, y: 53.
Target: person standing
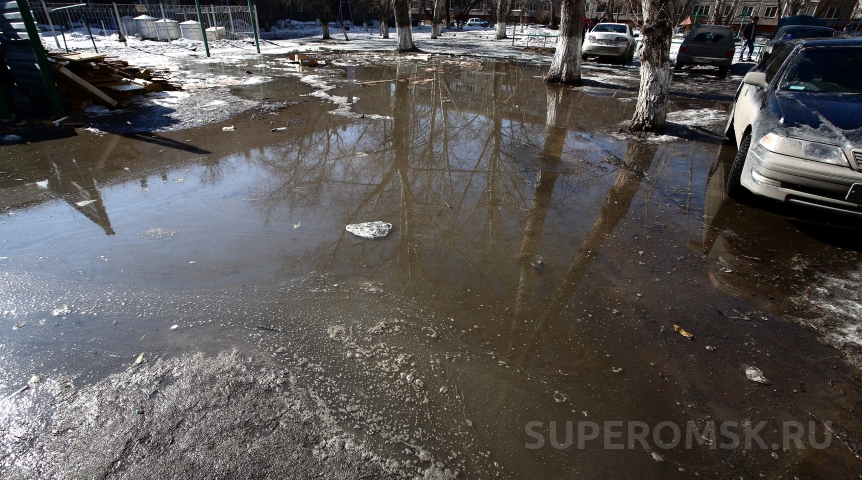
x: 748, y: 33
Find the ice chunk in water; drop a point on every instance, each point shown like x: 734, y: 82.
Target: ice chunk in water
x: 369, y: 229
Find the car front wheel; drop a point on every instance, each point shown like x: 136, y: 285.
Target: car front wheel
x: 735, y: 190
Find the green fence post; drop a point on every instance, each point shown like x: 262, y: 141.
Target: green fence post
x: 203, y: 29
x: 41, y: 57
x: 254, y: 25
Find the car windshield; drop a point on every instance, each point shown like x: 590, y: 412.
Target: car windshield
x: 708, y: 37
x: 610, y: 28
x: 826, y: 70
x: 791, y: 33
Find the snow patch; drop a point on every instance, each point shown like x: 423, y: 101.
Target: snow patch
x: 703, y: 117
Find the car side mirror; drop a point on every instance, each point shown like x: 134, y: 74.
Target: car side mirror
x: 758, y: 79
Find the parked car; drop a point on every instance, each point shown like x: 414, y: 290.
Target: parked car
x: 477, y: 22
x: 610, y: 40
x: 797, y: 123
x: 710, y: 45
x: 790, y: 32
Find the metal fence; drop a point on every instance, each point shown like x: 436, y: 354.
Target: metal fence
x: 108, y: 19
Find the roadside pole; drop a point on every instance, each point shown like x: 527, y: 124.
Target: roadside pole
x: 203, y: 28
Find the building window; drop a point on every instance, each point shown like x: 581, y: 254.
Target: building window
x: 832, y: 12
x: 701, y: 10
x: 728, y: 9
x: 770, y: 12
x: 748, y: 11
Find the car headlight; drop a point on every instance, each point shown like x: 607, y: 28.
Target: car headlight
x: 592, y: 39
x: 817, y: 152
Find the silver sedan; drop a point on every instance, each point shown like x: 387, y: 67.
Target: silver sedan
x: 797, y: 122
x: 610, y: 40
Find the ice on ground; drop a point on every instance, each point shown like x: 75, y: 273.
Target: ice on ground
x: 703, y: 117
x: 166, y: 98
x: 369, y: 229
x: 836, y: 296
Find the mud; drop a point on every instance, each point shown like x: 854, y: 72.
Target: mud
x: 540, y: 267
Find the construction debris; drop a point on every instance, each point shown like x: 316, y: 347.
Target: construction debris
x: 304, y: 60
x: 105, y: 80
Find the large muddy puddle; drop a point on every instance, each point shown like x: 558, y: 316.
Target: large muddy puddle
x: 539, y: 267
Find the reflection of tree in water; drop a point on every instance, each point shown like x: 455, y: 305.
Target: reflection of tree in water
x: 638, y: 159
x: 452, y: 171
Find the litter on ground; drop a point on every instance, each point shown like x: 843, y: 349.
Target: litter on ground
x: 369, y: 229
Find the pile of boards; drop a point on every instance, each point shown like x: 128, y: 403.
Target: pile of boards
x: 103, y: 79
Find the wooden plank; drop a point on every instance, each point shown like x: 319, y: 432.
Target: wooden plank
x: 86, y: 87
x: 125, y: 87
x: 102, y: 79
x: 79, y: 57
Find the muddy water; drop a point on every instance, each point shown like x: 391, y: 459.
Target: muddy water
x: 537, y: 266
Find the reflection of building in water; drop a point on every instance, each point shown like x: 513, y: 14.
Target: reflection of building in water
x: 75, y: 185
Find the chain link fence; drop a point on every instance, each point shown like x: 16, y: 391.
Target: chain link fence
x: 230, y: 22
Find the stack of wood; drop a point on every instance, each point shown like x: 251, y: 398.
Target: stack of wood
x: 103, y: 79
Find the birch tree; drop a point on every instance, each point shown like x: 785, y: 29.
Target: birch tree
x: 404, y: 26
x: 791, y: 8
x: 651, y: 109
x: 718, y: 13
x: 437, y: 18
x: 566, y: 65
x: 502, y: 10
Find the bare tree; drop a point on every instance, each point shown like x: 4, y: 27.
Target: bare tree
x: 384, y: 10
x: 824, y: 5
x: 566, y: 65
x: 790, y: 8
x: 404, y: 26
x: 726, y: 19
x: 323, y: 8
x: 502, y: 10
x: 651, y: 109
x: 437, y: 18
x: 717, y: 14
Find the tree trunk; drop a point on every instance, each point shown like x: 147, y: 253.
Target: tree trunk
x: 651, y: 109
x: 437, y: 20
x: 383, y: 23
x: 726, y: 20
x: 503, y: 8
x: 325, y: 26
x: 403, y: 26
x: 717, y: 14
x: 566, y: 66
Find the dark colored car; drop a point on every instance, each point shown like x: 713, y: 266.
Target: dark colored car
x: 792, y: 32
x: 797, y: 122
x: 709, y: 45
